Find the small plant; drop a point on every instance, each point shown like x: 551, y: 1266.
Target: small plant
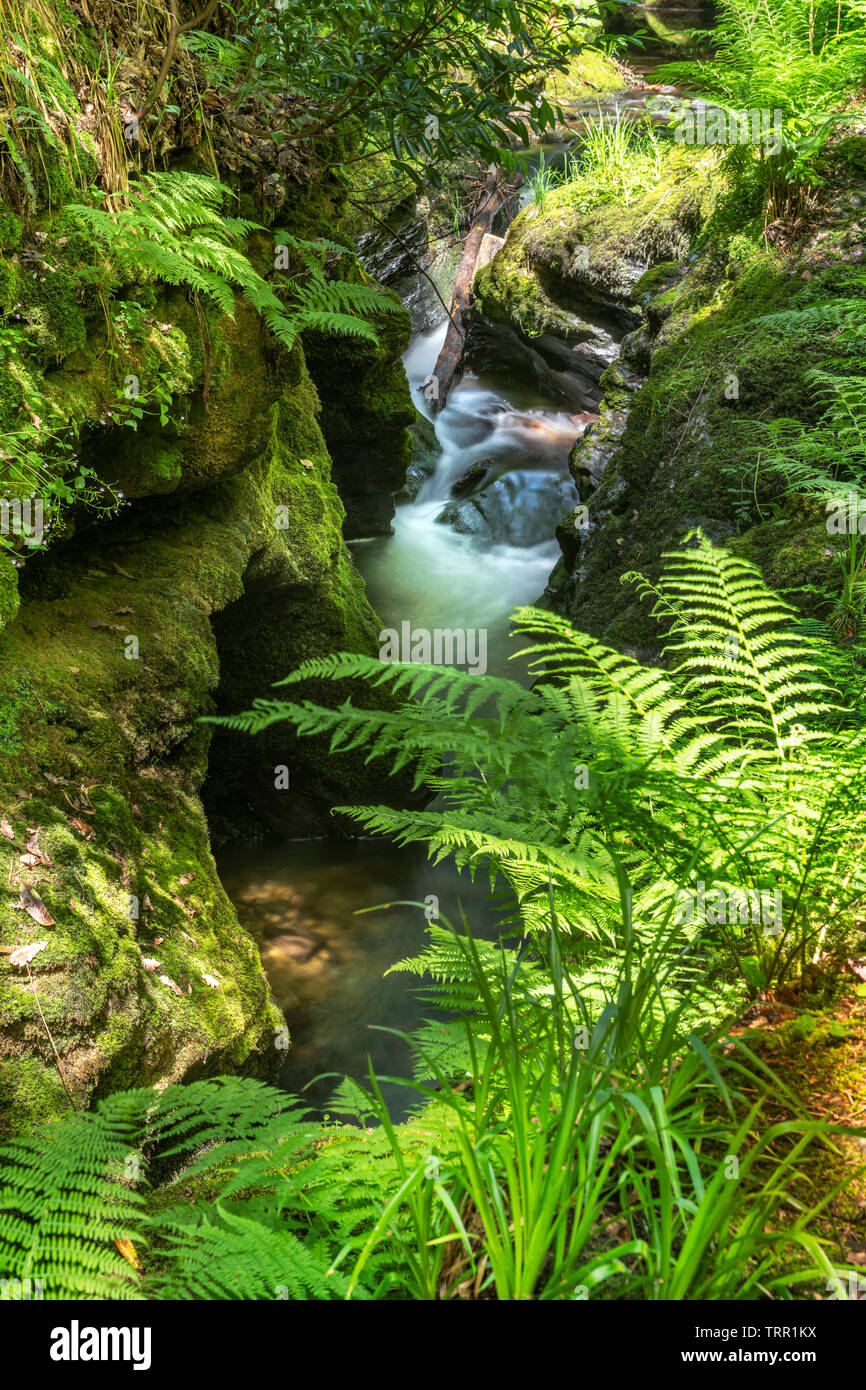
x: 615, y: 160
x: 541, y: 179
x: 174, y: 229
x: 801, y: 59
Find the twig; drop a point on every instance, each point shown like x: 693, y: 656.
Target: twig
x: 175, y: 30
x: 51, y: 1040
x: 402, y: 243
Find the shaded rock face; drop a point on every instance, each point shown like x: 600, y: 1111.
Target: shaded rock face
x: 517, y: 508
x: 395, y: 254
x: 667, y: 453
x: 568, y: 373
x: 126, y: 633
x: 366, y: 411
x: 425, y: 455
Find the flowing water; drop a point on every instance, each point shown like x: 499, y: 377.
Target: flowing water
x: 301, y: 899
x: 307, y: 894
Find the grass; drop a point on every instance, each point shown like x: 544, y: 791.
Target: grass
x: 616, y: 160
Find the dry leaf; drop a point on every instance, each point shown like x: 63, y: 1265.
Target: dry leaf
x: 125, y: 573
x: 32, y: 903
x: 83, y: 828
x: 122, y: 612
x: 175, y: 989
x: 158, y: 940
x: 33, y: 854
x: 209, y: 980
x: 146, y: 903
x: 23, y: 955
x: 6, y: 829
x: 307, y: 463
x: 189, y: 938
x: 127, y: 1250
x: 150, y: 963
x: 185, y: 879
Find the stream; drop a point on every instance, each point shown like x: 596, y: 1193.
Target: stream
x: 301, y: 899
x: 307, y: 893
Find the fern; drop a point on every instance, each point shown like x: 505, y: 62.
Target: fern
x: 286, y: 1212
x: 725, y: 767
x: 174, y: 229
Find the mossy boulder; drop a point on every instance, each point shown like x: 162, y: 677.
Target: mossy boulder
x: 366, y: 413
x: 724, y: 344
x: 554, y: 302
x: 114, y: 656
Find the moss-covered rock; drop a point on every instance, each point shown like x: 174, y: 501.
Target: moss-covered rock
x: 113, y: 657
x: 718, y: 356
x: 366, y: 411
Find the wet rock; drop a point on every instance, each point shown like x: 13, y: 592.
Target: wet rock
x: 425, y: 456
x: 519, y: 509
x: 289, y: 947
x: 473, y: 477
x: 394, y: 250
x: 568, y: 373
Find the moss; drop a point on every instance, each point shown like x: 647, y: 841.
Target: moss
x: 559, y: 258
x: 8, y: 588
x: 590, y: 75
x: 10, y: 228
x: 30, y: 1092
x: 114, y: 744
x: 716, y: 364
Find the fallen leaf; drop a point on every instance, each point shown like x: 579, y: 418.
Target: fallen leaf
x: 175, y: 989
x: 55, y: 781
x: 146, y: 903
x: 150, y: 963
x: 6, y: 829
x: 32, y: 903
x: 158, y: 940
x: 189, y: 938
x: 122, y: 612
x: 125, y: 573
x: 185, y: 879
x: 209, y: 980
x: 33, y: 854
x: 127, y: 1250
x: 83, y: 828
x: 307, y: 463
x: 23, y: 955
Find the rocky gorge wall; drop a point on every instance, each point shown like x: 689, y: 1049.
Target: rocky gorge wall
x: 221, y: 567
x: 707, y: 332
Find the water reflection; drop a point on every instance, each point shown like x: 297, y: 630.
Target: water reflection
x: 326, y: 964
